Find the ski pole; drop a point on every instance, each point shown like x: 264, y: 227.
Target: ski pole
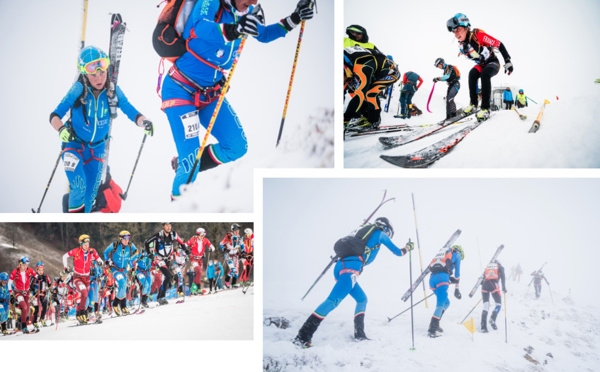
x: 412, y: 318
x: 429, y: 100
x: 418, y: 302
x: 505, y: 320
x: 333, y: 259
x: 256, y: 10
x: 471, y: 311
x: 49, y: 181
x: 531, y: 99
x: 419, y: 246
x: 550, y: 290
x: 124, y: 196
x: 287, y: 98
x: 244, y: 290
x: 85, y: 8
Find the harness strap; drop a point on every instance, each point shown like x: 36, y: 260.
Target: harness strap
x: 187, y: 45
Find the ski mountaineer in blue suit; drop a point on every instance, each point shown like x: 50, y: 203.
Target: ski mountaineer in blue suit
x: 4, y: 301
x: 120, y: 257
x: 193, y: 85
x: 144, y: 264
x: 85, y: 134
x: 444, y: 264
x: 346, y: 273
x: 93, y: 298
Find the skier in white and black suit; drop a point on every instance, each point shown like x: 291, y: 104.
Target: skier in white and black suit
x: 494, y: 272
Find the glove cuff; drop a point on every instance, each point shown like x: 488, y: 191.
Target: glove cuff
x: 230, y: 32
x: 289, y: 22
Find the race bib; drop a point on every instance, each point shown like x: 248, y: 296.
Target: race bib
x: 119, y: 276
x: 81, y: 287
x: 70, y: 161
x: 20, y: 299
x: 191, y: 124
x: 194, y: 264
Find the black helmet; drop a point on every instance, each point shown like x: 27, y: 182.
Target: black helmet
x: 385, y: 224
x: 438, y: 61
x: 235, y: 227
x: 357, y: 29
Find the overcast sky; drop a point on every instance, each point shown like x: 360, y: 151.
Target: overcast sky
x: 538, y: 220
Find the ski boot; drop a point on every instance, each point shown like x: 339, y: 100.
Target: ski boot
x: 304, y: 337
x: 117, y: 310
x: 484, y: 322
x: 359, y: 327
x: 144, y: 301
x: 493, y: 320
x: 44, y: 323
x: 483, y: 115
x: 25, y: 329
x: 125, y: 311
x: 434, y: 327
x: 36, y: 325
x: 468, y: 110
x: 162, y: 302
x: 4, y: 330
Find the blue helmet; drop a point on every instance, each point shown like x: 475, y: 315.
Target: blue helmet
x: 389, y: 56
x: 91, y: 59
x: 4, y: 277
x: 24, y: 260
x: 459, y: 19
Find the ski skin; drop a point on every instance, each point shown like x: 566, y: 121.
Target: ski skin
x: 427, y: 270
x: 395, y: 141
x: 385, y: 129
x: 425, y: 157
x: 480, y: 280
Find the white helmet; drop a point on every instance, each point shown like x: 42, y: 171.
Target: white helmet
x: 248, y: 231
x: 200, y: 231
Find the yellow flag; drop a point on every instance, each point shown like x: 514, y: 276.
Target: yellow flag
x: 546, y: 101
x: 470, y: 325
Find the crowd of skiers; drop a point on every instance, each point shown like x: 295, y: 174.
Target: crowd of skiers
x: 444, y: 269
x: 368, y: 72
x: 124, y: 276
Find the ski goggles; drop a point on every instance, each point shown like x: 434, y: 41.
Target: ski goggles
x: 125, y: 236
x: 93, y: 66
x: 24, y: 261
x: 453, y: 23
x: 86, y: 240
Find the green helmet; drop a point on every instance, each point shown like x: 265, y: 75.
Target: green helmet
x: 459, y: 249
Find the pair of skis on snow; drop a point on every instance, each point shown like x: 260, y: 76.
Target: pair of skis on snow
x: 432, y: 153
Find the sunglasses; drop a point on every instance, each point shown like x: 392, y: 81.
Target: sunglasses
x: 91, y: 67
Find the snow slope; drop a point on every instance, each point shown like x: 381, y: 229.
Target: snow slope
x: 190, y: 333
x: 537, y: 220
x: 40, y: 66
x: 544, y: 68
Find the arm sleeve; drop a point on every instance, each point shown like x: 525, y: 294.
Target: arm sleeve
x: 385, y: 240
x: 504, y: 53
x: 107, y: 251
x: 68, y: 100
x: 266, y: 34
x: 65, y: 257
x: 125, y: 106
x: 420, y: 82
x: 456, y: 257
x: 179, y: 240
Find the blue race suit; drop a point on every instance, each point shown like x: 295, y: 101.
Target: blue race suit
x: 144, y: 263
x: 4, y: 303
x: 84, y: 157
x: 95, y: 279
x: 439, y: 283
x: 217, y: 55
x: 346, y: 273
x: 122, y: 257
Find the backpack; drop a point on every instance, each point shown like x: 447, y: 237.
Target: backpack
x: 442, y: 262
x: 355, y: 245
x: 167, y: 36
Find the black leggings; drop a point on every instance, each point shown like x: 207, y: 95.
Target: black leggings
x: 491, y: 69
x: 166, y: 284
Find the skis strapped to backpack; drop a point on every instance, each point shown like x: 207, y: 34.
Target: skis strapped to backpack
x: 117, y: 33
x: 421, y: 277
x: 481, y: 278
x: 335, y: 258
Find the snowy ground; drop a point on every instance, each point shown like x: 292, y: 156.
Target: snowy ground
x: 42, y: 67
x: 226, y: 315
x: 193, y: 333
x: 567, y: 138
x: 563, y: 328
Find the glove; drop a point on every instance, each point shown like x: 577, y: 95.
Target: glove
x: 508, y: 67
x: 109, y: 262
x: 66, y: 134
x: 453, y: 280
x: 67, y: 270
x: 504, y: 290
x: 435, y: 80
x: 148, y: 127
x: 457, y: 293
x: 410, y: 246
x: 304, y: 11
